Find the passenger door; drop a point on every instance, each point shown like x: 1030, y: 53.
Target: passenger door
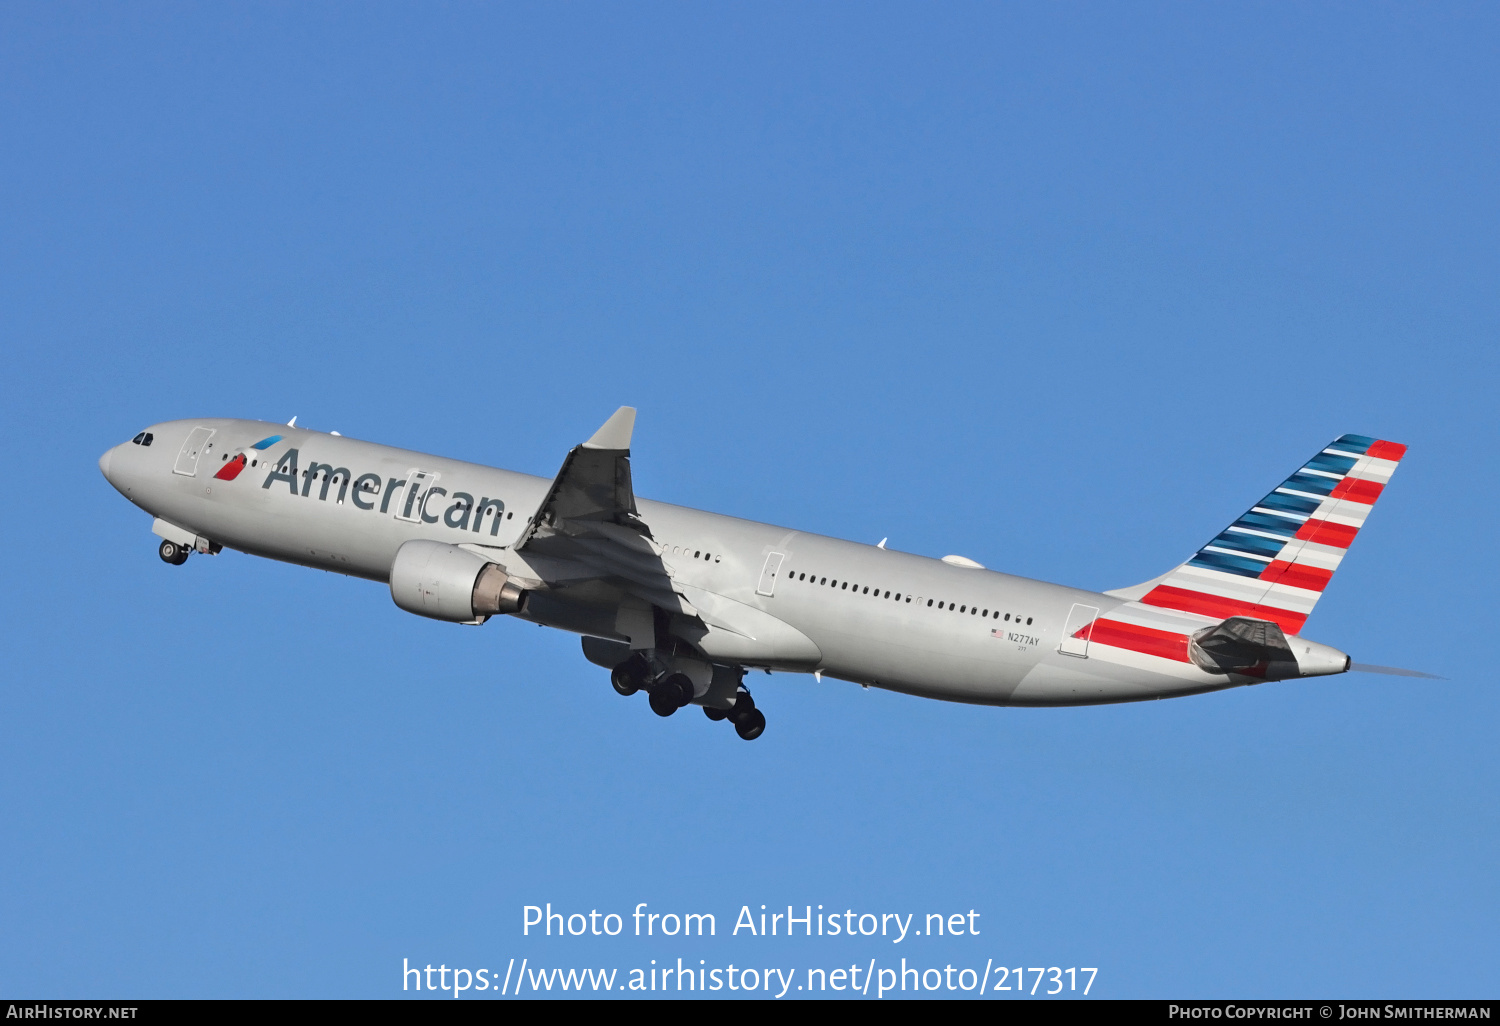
x: 409, y: 506
x: 187, y: 459
x: 767, y: 584
x: 1077, y: 630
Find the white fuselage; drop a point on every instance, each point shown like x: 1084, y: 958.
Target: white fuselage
x: 857, y: 612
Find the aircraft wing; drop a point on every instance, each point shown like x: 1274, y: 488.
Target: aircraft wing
x: 589, y: 522
x: 592, y: 488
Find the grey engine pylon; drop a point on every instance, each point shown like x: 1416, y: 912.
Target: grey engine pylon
x: 680, y: 602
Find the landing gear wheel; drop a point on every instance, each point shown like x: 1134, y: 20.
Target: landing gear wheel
x: 629, y: 676
x: 751, y: 726
x: 684, y: 686
x: 671, y: 694
x: 664, y: 701
x: 743, y: 706
x: 171, y: 552
x: 715, y: 714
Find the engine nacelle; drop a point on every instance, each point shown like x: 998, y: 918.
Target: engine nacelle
x: 445, y: 582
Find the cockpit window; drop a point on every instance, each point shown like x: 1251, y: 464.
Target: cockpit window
x: 148, y: 438
x: 138, y: 439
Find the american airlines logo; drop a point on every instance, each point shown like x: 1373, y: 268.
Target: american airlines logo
x: 414, y: 498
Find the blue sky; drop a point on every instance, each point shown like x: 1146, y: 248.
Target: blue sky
x: 1062, y: 288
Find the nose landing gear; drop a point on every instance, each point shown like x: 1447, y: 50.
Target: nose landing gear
x: 171, y: 552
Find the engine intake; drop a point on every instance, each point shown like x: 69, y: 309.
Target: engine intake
x: 446, y: 582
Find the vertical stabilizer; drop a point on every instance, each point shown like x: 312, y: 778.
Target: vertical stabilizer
x: 1274, y: 561
x: 1271, y: 564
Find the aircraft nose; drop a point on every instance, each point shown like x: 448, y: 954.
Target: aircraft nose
x: 106, y: 465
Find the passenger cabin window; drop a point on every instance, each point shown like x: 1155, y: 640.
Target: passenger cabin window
x: 865, y: 589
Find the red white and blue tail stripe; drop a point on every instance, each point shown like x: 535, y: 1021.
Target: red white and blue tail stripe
x: 1271, y: 564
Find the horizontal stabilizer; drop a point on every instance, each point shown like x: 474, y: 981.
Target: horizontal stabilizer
x: 1240, y: 645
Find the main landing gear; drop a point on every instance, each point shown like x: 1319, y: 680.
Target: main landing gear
x: 171, y: 552
x: 749, y: 722
x: 668, y: 692
x: 631, y: 675
x: 672, y: 692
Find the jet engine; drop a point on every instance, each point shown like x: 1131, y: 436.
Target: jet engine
x: 446, y: 582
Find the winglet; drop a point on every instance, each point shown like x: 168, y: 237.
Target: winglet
x: 616, y: 431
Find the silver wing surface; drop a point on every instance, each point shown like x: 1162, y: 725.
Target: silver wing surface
x: 588, y: 528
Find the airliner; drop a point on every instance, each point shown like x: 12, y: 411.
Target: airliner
x: 680, y: 603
